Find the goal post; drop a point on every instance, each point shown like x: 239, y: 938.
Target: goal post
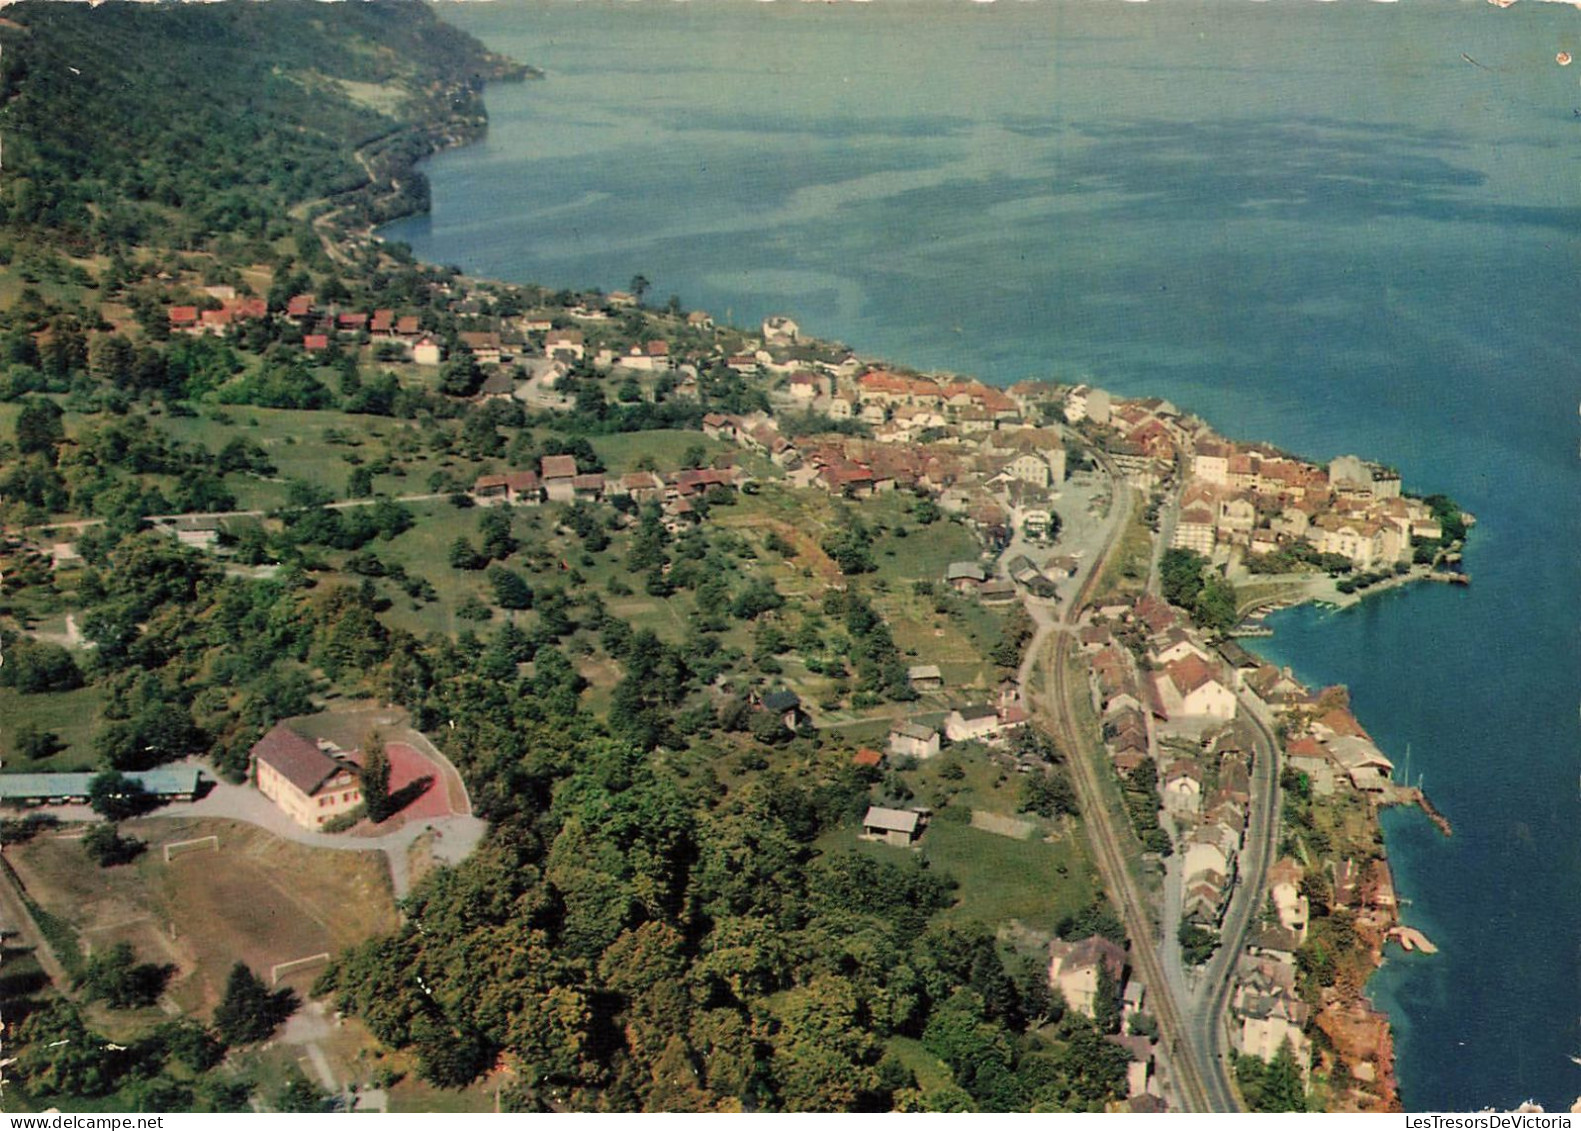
x: 280, y: 968
x: 193, y: 845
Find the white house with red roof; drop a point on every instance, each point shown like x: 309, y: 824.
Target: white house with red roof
x: 1191, y: 687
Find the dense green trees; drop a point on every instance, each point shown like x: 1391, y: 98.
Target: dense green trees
x: 1197, y: 943
x: 36, y: 666
x: 115, y: 977
x: 1206, y: 594
x: 116, y: 797
x: 1274, y: 1085
x: 374, y: 778
x: 1180, y: 574
x: 106, y: 847
x: 250, y: 1012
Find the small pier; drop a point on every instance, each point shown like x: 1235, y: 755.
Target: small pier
x: 1410, y: 938
x: 1412, y: 795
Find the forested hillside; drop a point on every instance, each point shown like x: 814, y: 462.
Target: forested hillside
x: 173, y: 123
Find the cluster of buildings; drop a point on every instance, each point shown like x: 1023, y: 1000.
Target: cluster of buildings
x: 215, y: 321
x: 1262, y: 501
x: 558, y: 480
x: 1082, y: 971
x: 323, y: 324
x: 1169, y: 709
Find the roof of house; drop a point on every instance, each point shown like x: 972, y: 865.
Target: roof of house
x: 977, y: 711
x: 1191, y: 672
x: 968, y: 571
x: 781, y: 701
x: 559, y: 467
x: 924, y: 671
x: 867, y: 756
x: 1087, y: 953
x: 295, y: 758
x: 890, y: 820
x: 914, y: 730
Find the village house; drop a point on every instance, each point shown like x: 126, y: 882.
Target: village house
x: 899, y: 827
x: 299, y: 308
x: 1074, y: 971
x: 997, y: 591
x: 913, y: 740
x: 311, y: 784
x: 427, y: 351
x: 786, y: 705
x: 1268, y: 1003
x: 964, y: 577
x: 1190, y: 688
x: 1210, y: 462
x: 780, y: 330
x: 1029, y: 467
x: 485, y: 345
x: 558, y: 474
x: 1181, y: 788
x: 567, y: 344
x: 976, y: 722
x: 925, y: 677
x: 1284, y: 888
x: 867, y: 758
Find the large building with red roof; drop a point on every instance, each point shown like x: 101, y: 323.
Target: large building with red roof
x: 310, y: 784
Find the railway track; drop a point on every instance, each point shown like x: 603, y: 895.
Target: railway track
x: 1199, y: 1087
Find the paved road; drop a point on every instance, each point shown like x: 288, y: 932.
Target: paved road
x: 1262, y: 836
x: 82, y: 524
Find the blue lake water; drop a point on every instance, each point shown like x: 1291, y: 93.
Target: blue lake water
x: 1316, y: 224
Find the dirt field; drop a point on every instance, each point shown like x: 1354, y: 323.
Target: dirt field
x: 258, y: 899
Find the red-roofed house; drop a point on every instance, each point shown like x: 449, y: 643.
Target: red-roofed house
x: 308, y: 783
x: 300, y: 307
x: 315, y: 343
x: 183, y: 318
x: 1191, y: 687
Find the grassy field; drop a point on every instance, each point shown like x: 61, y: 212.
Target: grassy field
x: 258, y: 899
x: 71, y: 715
x: 667, y: 448
x: 314, y: 447
x: 1033, y: 882
x: 1126, y: 573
